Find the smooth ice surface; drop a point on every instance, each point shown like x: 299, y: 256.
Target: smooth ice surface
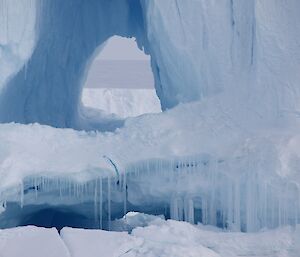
x: 122, y: 102
x: 32, y: 242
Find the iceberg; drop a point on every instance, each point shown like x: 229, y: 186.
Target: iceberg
x: 224, y: 151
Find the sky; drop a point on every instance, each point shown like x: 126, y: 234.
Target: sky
x: 120, y: 48
x: 120, y: 65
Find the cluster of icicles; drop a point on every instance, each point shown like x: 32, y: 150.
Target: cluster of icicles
x: 197, y: 189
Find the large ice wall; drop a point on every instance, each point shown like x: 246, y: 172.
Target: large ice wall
x: 245, y: 50
x: 68, y: 34
x: 250, y: 49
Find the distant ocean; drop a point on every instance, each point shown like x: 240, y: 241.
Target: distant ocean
x: 120, y: 74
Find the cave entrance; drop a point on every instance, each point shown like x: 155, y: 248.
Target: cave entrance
x: 120, y: 80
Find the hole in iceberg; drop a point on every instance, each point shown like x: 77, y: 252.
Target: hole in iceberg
x: 120, y: 80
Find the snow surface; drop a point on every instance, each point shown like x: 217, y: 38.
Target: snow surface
x: 157, y: 238
x: 122, y: 102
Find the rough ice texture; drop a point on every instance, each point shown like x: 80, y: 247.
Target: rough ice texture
x: 122, y: 102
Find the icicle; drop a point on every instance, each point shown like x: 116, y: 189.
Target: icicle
x: 100, y: 204
x: 191, y: 218
x: 125, y: 193
x: 186, y: 209
x: 212, y: 209
x: 229, y: 207
x: 204, y: 211
x: 298, y: 206
x: 35, y: 188
x: 70, y: 188
x: 109, y: 203
x: 189, y: 210
x: 174, y: 209
x: 237, y: 212
x: 95, y: 203
x: 21, y: 194
x: 60, y: 189
x: 248, y: 206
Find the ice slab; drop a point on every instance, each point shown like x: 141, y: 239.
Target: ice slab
x: 31, y: 242
x: 92, y: 243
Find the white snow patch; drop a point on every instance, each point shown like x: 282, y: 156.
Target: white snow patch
x: 122, y: 102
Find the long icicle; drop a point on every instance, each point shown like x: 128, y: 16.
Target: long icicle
x: 108, y: 203
x: 100, y: 204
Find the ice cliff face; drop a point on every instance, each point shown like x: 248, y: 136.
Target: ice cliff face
x: 248, y: 49
x: 245, y: 50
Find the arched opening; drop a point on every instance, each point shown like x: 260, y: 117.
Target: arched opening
x: 120, y: 80
x: 56, y: 71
